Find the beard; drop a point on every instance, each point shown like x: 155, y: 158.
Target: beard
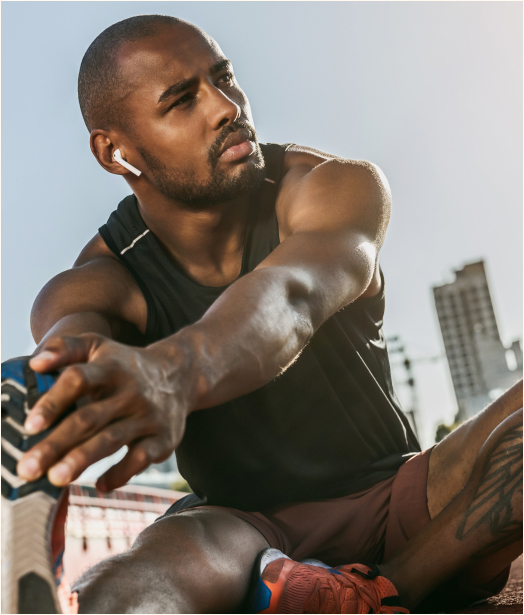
x: 184, y: 187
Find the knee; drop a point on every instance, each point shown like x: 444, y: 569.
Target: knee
x: 207, y: 558
x: 104, y: 588
x: 176, y: 566
x: 130, y: 583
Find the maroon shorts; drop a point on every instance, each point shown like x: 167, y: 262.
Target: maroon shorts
x: 368, y: 527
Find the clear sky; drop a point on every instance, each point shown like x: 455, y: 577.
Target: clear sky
x: 429, y: 91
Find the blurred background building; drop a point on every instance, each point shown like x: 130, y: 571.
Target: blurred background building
x: 481, y: 366
x: 163, y: 475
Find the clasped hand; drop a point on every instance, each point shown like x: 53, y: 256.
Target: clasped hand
x: 129, y: 396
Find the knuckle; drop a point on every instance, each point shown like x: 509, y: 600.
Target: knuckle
x: 76, y: 376
x: 55, y: 342
x: 48, y: 409
x: 113, y: 437
x: 49, y: 449
x: 67, y: 343
x: 78, y: 459
x: 94, y: 339
x: 130, y: 401
x: 86, y: 419
x: 117, y: 407
x: 142, y: 454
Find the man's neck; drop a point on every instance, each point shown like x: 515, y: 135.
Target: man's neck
x: 207, y: 244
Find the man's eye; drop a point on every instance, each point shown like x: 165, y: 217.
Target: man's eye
x: 181, y: 100
x: 227, y: 78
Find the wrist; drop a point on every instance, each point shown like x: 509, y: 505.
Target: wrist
x: 181, y: 364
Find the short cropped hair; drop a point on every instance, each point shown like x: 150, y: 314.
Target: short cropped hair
x: 101, y: 88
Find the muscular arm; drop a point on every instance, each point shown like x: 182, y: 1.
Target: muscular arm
x: 332, y: 222
x: 332, y: 217
x: 98, y: 295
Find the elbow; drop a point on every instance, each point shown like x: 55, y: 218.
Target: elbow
x: 300, y: 332
x: 300, y: 297
x: 304, y: 328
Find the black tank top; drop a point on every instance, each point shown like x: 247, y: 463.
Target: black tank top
x: 329, y: 426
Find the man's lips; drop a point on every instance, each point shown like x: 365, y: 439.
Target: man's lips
x: 237, y: 145
x: 236, y: 152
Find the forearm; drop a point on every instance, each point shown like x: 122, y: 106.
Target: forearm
x: 249, y: 336
x: 258, y: 327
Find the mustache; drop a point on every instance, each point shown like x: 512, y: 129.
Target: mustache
x: 214, y: 150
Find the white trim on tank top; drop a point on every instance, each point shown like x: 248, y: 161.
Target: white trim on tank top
x: 134, y: 241
x: 271, y: 181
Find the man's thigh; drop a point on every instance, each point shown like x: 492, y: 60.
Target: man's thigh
x: 452, y: 460
x: 196, y: 561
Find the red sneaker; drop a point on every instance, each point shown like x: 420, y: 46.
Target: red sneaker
x: 285, y: 586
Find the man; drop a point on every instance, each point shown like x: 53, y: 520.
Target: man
x: 231, y: 309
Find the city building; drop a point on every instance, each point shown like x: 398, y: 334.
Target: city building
x: 476, y: 356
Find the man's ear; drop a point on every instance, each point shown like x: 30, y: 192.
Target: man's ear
x: 103, y: 144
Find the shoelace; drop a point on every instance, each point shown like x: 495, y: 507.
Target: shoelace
x: 333, y: 587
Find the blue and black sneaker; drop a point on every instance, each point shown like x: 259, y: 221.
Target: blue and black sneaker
x: 33, y: 513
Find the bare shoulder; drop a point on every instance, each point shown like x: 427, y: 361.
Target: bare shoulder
x: 100, y: 264
x: 305, y: 156
x: 97, y: 257
x: 355, y: 190
x: 300, y: 161
x: 97, y: 282
x: 325, y: 193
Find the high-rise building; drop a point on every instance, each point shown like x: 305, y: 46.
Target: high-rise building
x: 475, y: 353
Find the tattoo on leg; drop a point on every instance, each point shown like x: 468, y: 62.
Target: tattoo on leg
x: 491, y: 505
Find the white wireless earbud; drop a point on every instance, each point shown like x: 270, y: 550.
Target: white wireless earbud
x: 129, y: 167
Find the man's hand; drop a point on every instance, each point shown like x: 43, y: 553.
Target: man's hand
x: 134, y: 398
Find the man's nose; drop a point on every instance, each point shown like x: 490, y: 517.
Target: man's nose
x: 223, y: 110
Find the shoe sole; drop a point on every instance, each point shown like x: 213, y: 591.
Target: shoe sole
x: 28, y: 508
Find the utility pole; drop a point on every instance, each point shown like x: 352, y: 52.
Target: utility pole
x: 397, y: 348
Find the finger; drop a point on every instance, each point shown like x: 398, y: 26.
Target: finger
x: 111, y: 439
x: 74, y: 382
x: 72, y: 431
x: 59, y: 351
x: 140, y: 456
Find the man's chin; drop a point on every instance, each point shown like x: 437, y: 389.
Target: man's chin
x: 223, y: 187
x: 244, y: 178
x: 247, y: 172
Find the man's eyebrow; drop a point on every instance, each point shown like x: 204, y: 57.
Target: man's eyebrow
x: 185, y: 84
x: 178, y: 87
x: 219, y: 66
